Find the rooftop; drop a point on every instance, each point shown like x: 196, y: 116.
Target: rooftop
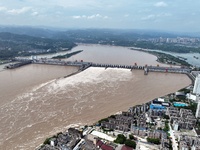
x: 102, y: 136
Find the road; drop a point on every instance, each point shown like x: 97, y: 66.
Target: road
x: 174, y: 143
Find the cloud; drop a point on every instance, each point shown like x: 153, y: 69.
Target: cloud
x: 160, y: 4
x: 3, y: 8
x: 19, y: 11
x: 105, y: 13
x: 76, y: 17
x: 90, y: 17
x: 15, y: 11
x: 94, y: 16
x: 153, y: 16
x: 35, y: 13
x: 149, y: 17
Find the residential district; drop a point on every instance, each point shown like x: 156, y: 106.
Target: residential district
x: 165, y: 123
x: 178, y: 40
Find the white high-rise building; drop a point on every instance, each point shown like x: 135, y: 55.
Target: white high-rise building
x: 198, y: 107
x: 196, y: 89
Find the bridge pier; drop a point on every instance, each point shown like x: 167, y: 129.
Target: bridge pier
x: 146, y: 71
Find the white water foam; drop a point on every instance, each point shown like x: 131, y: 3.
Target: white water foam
x: 37, y: 105
x: 91, y: 76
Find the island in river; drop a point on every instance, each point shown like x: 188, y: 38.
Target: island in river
x: 67, y: 55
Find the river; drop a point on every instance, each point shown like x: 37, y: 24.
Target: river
x: 191, y: 58
x: 99, y: 53
x: 36, y: 101
x: 108, y: 54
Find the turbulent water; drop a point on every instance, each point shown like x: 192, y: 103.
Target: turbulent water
x: 84, y: 98
x: 36, y: 101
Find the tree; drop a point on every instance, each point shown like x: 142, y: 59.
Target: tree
x: 120, y: 139
x: 166, y: 117
x: 131, y: 137
x: 166, y: 128
x: 102, y: 120
x: 47, y: 141
x: 152, y: 140
x: 130, y: 143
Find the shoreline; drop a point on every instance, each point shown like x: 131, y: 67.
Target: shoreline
x: 81, y: 126
x: 151, y: 52
x: 155, y: 53
x: 118, y: 112
x: 114, y: 111
x: 130, y: 48
x: 106, y: 111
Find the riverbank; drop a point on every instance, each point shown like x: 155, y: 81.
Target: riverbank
x: 133, y: 123
x: 104, y: 51
x: 44, y: 104
x: 165, y: 58
x: 103, y: 102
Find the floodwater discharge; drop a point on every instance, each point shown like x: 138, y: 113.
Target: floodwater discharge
x: 36, y: 101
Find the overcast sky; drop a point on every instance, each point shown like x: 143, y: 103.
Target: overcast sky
x: 168, y: 15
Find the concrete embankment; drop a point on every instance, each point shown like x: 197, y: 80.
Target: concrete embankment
x: 80, y: 70
x: 18, y: 64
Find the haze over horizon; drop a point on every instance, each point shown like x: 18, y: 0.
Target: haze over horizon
x: 166, y: 15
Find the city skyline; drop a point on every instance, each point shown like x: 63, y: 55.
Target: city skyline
x: 180, y: 16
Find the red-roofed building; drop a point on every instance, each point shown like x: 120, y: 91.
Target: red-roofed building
x: 126, y: 148
x: 103, y: 146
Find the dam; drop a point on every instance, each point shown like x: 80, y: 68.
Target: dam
x: 84, y: 65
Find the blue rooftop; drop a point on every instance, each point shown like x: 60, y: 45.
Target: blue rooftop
x: 157, y: 106
x: 176, y: 104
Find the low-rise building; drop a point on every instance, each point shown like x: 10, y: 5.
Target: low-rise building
x: 189, y: 142
x: 139, y: 131
x: 118, y: 122
x: 157, y: 134
x: 181, y: 119
x: 66, y: 140
x: 156, y: 113
x: 102, y: 146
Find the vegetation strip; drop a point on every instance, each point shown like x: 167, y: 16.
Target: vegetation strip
x: 67, y: 55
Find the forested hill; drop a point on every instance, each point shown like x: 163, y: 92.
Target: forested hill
x: 148, y: 40
x: 22, y: 41
x: 12, y: 45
